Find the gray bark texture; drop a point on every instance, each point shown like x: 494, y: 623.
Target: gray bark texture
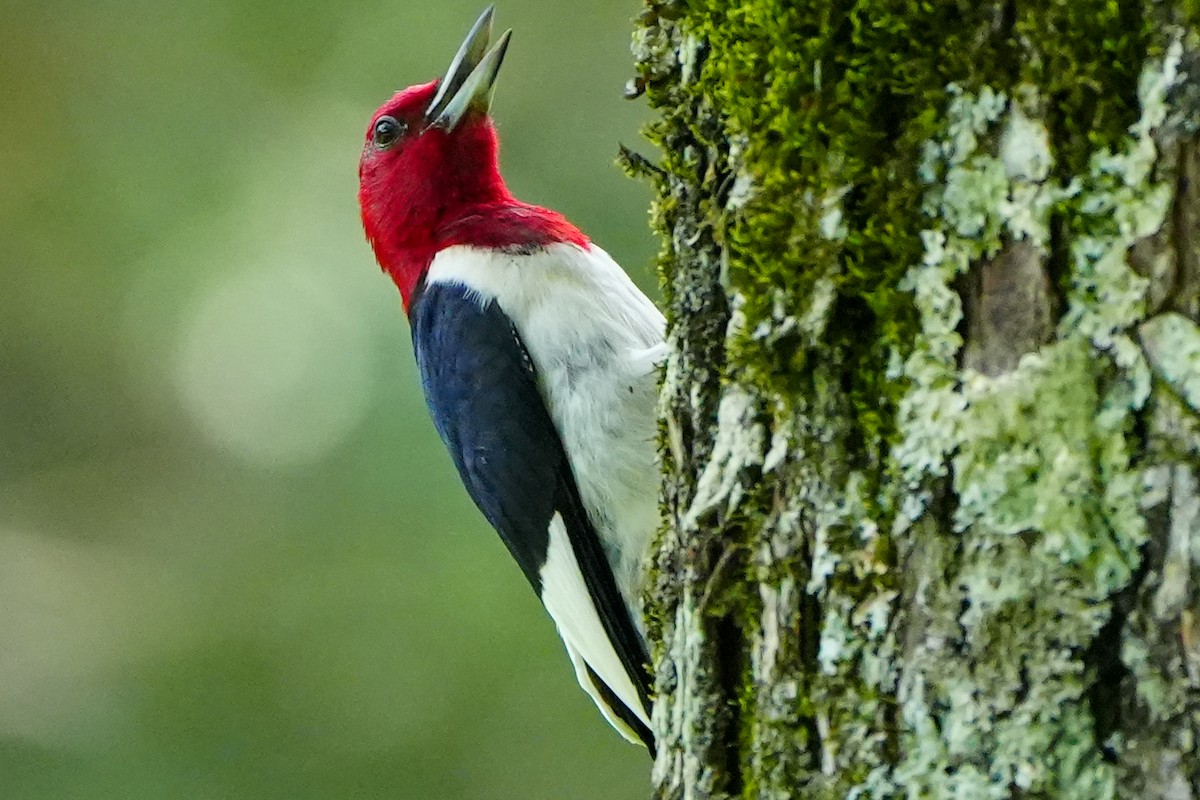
x: 931, y: 418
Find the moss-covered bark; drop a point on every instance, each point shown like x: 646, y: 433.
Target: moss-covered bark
x: 932, y: 411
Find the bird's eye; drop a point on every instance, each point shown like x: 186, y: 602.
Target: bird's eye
x: 387, y: 130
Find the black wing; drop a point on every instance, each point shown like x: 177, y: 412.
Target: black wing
x: 481, y: 389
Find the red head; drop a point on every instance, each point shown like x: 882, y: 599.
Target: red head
x: 429, y: 176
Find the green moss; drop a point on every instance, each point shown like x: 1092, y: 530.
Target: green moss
x: 1086, y: 65
x: 834, y: 100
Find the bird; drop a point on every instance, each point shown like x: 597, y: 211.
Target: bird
x: 538, y: 357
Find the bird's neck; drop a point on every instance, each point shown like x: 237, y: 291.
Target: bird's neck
x: 408, y: 242
x: 410, y: 232
x: 409, y: 205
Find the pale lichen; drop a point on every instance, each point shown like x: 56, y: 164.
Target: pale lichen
x: 978, y: 198
x: 739, y: 444
x: 1048, y: 507
x: 1172, y: 345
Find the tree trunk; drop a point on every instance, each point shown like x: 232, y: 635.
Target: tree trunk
x: 932, y: 410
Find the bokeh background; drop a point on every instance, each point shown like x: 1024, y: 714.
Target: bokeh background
x: 234, y: 559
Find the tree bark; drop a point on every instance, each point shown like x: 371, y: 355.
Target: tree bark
x: 931, y: 435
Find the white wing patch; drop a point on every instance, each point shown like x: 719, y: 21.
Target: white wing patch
x: 570, y: 605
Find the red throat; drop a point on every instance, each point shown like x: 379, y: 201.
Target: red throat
x: 436, y: 189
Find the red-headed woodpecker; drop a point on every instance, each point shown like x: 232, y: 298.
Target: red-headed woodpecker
x: 537, y: 355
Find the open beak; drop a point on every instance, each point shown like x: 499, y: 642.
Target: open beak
x: 468, y: 82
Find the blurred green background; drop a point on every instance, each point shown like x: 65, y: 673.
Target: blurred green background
x: 235, y: 561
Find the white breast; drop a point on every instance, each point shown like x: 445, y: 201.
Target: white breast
x: 594, y: 339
